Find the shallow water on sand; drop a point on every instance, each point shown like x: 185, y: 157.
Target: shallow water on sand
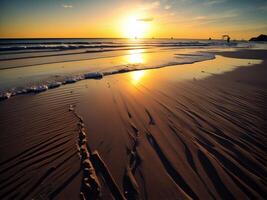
x: 26, y: 64
x: 196, y: 71
x: 127, y: 60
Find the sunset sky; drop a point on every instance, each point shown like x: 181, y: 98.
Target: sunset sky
x: 241, y: 19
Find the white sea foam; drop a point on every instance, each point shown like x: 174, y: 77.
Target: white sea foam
x: 10, y: 45
x: 5, y: 95
x: 54, y: 84
x: 93, y: 75
x: 183, y: 59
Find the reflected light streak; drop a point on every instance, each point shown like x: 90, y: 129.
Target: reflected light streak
x: 136, y: 56
x: 137, y: 76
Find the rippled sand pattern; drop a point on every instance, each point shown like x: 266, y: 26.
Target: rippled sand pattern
x: 134, y: 139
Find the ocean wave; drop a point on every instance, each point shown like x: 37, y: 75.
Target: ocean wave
x: 8, y: 46
x: 58, y: 47
x: 38, y: 88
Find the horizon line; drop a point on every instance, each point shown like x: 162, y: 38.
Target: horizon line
x: 54, y: 38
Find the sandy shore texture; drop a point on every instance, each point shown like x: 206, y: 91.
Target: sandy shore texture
x: 181, y: 132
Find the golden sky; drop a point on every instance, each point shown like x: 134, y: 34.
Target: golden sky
x: 116, y: 19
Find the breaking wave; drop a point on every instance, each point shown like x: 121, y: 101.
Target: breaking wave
x: 37, y: 88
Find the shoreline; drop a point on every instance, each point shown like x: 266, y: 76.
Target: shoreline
x: 98, y: 74
x: 95, y: 74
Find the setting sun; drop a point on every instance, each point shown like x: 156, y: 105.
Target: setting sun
x: 134, y: 27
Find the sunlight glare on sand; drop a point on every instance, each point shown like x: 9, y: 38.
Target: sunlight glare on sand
x: 137, y: 76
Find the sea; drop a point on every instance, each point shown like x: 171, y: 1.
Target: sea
x: 36, y: 65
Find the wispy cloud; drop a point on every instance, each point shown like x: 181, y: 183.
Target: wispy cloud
x: 67, y: 6
x: 219, y: 16
x: 213, y: 2
x: 155, y: 4
x: 148, y: 19
x: 167, y: 7
x: 197, y: 20
x: 200, y: 18
x: 151, y: 6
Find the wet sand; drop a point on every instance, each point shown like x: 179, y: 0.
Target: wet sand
x: 181, y: 132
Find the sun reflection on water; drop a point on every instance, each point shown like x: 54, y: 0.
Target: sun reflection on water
x: 136, y: 56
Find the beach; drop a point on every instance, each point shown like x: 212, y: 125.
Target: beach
x: 188, y: 129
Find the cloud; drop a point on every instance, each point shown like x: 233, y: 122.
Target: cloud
x: 155, y: 4
x: 148, y: 19
x: 213, y: 2
x: 67, y: 6
x: 151, y: 6
x: 200, y: 17
x: 188, y: 20
x: 167, y: 7
x: 219, y: 16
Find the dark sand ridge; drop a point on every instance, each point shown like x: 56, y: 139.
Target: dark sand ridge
x: 160, y: 138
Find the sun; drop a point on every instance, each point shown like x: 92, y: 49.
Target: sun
x: 134, y: 28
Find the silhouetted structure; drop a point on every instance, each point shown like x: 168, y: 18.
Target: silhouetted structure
x: 259, y: 38
x: 227, y: 37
